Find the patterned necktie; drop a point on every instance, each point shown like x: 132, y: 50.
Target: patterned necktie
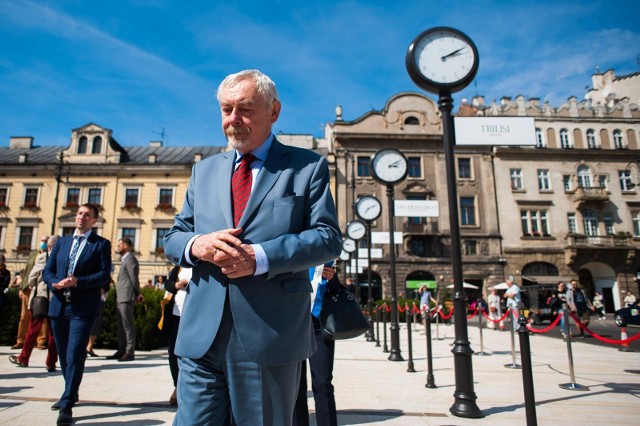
x: 77, y: 240
x: 241, y: 186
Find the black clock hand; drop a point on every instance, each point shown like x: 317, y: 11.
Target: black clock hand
x: 455, y: 52
x: 395, y: 164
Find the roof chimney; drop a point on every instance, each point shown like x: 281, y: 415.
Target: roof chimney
x: 16, y: 142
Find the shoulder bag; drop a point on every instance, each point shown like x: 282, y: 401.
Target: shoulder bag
x: 340, y: 316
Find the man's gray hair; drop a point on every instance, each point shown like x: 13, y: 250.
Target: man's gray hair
x: 266, y: 86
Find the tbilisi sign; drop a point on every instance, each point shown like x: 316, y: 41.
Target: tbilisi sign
x: 495, y: 131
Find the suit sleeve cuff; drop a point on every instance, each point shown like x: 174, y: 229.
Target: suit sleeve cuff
x: 262, y: 263
x: 187, y: 251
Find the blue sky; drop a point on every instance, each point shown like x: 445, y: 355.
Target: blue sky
x: 139, y: 66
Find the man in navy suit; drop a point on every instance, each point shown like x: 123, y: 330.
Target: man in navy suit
x: 79, y: 265
x: 246, y: 324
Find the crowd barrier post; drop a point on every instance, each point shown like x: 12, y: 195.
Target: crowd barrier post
x: 415, y: 317
x: 385, y: 348
x: 482, y: 352
x: 572, y: 385
x: 431, y: 383
x: 513, y: 342
x: 527, y: 372
x: 377, y: 328
x: 439, y: 309
x: 410, y: 366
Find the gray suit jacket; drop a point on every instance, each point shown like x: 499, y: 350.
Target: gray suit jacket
x: 291, y: 213
x: 128, y: 284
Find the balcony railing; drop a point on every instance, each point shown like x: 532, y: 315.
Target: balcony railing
x: 599, y: 241
x: 594, y: 193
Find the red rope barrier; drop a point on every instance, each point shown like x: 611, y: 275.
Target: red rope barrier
x: 545, y: 330
x: 496, y: 320
x: 604, y: 339
x: 472, y: 314
x: 446, y: 317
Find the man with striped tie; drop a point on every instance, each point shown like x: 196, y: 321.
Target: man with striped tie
x: 78, y: 266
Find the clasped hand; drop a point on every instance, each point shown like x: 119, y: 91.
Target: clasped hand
x: 225, y: 250
x: 70, y: 281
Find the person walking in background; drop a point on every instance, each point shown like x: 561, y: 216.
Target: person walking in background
x: 558, y: 298
x: 513, y: 297
x: 598, y: 303
x: 321, y: 362
x: 24, y: 291
x: 495, y: 310
x: 78, y: 266
x: 5, y: 280
x: 629, y: 299
x: 38, y: 289
x: 251, y: 238
x: 127, y: 295
x: 579, y: 304
x: 176, y: 286
x: 425, y: 298
x: 98, y: 325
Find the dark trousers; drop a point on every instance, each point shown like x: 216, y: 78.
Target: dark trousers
x: 71, y: 332
x: 173, y: 358
x: 30, y: 341
x: 321, y: 365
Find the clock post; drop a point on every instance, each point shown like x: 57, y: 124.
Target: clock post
x: 443, y: 60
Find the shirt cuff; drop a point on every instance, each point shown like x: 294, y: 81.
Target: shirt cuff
x: 187, y: 251
x: 262, y: 263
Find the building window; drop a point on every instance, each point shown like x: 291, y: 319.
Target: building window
x: 584, y: 177
x: 544, y: 181
x: 415, y: 167
x: 165, y: 197
x: 625, y: 180
x: 68, y: 230
x: 516, y: 179
x: 592, y: 143
x: 590, y: 221
x: 418, y: 246
x: 618, y: 142
x: 131, y: 234
x: 535, y: 223
x: 464, y: 168
x: 602, y: 181
x: 31, y: 197
x: 411, y: 120
x: 565, y: 141
x: 95, y: 196
x: 567, y: 183
x: 82, y: 145
x: 572, y: 223
x: 25, y: 238
x: 608, y: 224
x: 470, y: 247
x: 467, y: 211
x: 636, y: 223
x: 97, y: 145
x: 160, y: 233
x: 4, y: 197
x: 131, y: 197
x: 363, y: 166
x: 540, y: 142
x: 73, y: 197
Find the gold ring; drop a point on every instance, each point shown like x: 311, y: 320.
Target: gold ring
x: 215, y: 250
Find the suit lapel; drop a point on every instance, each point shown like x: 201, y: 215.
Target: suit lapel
x: 271, y: 169
x: 223, y: 182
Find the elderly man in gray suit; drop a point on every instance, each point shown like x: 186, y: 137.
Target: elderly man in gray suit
x: 127, y: 294
x: 254, y: 220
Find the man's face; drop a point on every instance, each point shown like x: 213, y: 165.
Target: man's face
x: 574, y: 284
x: 246, y: 118
x: 85, y: 219
x: 121, y: 247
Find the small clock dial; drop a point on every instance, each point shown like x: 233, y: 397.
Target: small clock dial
x: 368, y: 207
x: 344, y: 256
x: 389, y: 166
x: 356, y: 230
x: 348, y: 245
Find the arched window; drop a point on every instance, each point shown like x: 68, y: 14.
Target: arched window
x: 540, y: 142
x: 584, y: 176
x: 618, y: 142
x: 590, y: 220
x: 412, y: 120
x: 82, y: 145
x: 592, y: 143
x: 565, y: 142
x: 97, y: 145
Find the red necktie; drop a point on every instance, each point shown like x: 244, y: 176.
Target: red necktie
x: 241, y: 187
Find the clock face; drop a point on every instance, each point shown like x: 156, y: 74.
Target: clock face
x: 348, y: 245
x: 356, y: 230
x: 389, y: 166
x: 344, y: 256
x: 442, y: 58
x: 368, y: 207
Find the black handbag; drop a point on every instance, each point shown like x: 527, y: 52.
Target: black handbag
x: 340, y: 316
x: 40, y: 307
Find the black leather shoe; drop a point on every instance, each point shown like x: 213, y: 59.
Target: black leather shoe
x: 51, y: 369
x: 127, y: 357
x: 56, y: 406
x: 117, y: 355
x: 65, y: 417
